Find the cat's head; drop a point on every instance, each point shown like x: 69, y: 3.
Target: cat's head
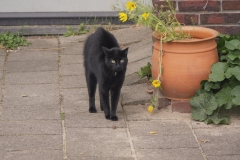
x: 116, y: 58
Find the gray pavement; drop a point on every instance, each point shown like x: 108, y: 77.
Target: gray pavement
x: 44, y: 110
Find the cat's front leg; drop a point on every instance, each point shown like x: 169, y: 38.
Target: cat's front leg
x: 92, y: 84
x: 104, y: 101
x: 115, y: 93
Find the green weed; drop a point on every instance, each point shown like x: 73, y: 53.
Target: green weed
x: 12, y: 41
x: 71, y: 32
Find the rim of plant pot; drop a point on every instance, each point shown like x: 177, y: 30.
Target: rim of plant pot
x: 197, y: 33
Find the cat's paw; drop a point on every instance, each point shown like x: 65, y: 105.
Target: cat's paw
x: 114, y: 118
x: 92, y: 110
x: 107, y: 117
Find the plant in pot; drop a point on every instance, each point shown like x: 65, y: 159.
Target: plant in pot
x: 220, y: 93
x: 182, y: 55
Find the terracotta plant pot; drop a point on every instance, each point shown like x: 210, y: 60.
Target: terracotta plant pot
x: 185, y: 63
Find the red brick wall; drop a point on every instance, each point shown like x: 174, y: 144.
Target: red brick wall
x: 221, y: 15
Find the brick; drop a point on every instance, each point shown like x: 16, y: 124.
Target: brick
x: 188, y: 19
x: 158, y: 3
x: 220, y: 18
x: 227, y: 29
x: 198, y: 5
x: 231, y: 5
x: 181, y: 106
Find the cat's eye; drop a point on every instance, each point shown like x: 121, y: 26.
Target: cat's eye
x: 113, y: 61
x: 122, y: 61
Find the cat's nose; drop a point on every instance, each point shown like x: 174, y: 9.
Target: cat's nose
x: 118, y: 68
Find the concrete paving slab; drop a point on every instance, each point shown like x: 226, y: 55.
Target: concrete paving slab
x: 40, y: 154
x: 167, y: 141
x: 41, y: 42
x: 135, y: 66
x: 169, y: 154
x: 134, y: 79
x: 141, y: 50
x: 73, y: 39
x: 45, y: 77
x: 31, y: 90
x: 83, y: 157
x: 73, y: 105
x: 216, y: 141
x: 77, y: 92
x: 74, y: 81
x: 140, y: 113
x: 99, y: 141
x: 36, y: 101
x: 128, y: 38
x: 33, y: 55
x: 33, y: 127
x: 71, y: 59
x: 224, y: 157
x: 72, y: 70
x: 161, y: 127
x: 140, y: 95
x: 32, y: 66
x: 2, y: 52
x: 30, y: 113
x: 30, y: 142
x: 2, y: 60
x: 88, y: 120
x: 71, y: 48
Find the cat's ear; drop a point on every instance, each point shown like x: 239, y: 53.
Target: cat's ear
x: 125, y: 52
x: 106, y: 51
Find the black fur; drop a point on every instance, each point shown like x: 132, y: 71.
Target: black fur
x: 105, y: 64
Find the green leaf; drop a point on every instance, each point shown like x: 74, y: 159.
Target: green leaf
x: 217, y: 119
x: 233, y: 44
x: 223, y: 35
x: 224, y: 97
x: 145, y: 71
x: 211, y: 85
x: 203, y: 104
x: 218, y: 70
x: 236, y: 95
x: 232, y: 55
x: 233, y: 71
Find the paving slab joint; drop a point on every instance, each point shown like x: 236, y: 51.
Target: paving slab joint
x: 3, y: 81
x: 62, y: 113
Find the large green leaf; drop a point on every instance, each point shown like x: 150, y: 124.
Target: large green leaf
x: 218, y: 71
x: 203, y: 104
x: 233, y: 44
x: 217, y: 119
x: 236, y: 95
x: 232, y: 55
x: 224, y: 97
x: 233, y: 71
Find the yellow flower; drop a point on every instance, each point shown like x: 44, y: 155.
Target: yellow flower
x: 130, y: 6
x: 150, y: 109
x: 145, y: 15
x: 123, y: 17
x: 156, y: 83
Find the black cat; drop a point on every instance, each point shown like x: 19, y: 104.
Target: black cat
x: 105, y: 64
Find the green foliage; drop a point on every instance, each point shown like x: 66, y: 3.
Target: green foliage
x: 12, y: 41
x: 145, y: 71
x: 222, y: 89
x: 71, y: 32
x: 62, y: 115
x: 161, y: 19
